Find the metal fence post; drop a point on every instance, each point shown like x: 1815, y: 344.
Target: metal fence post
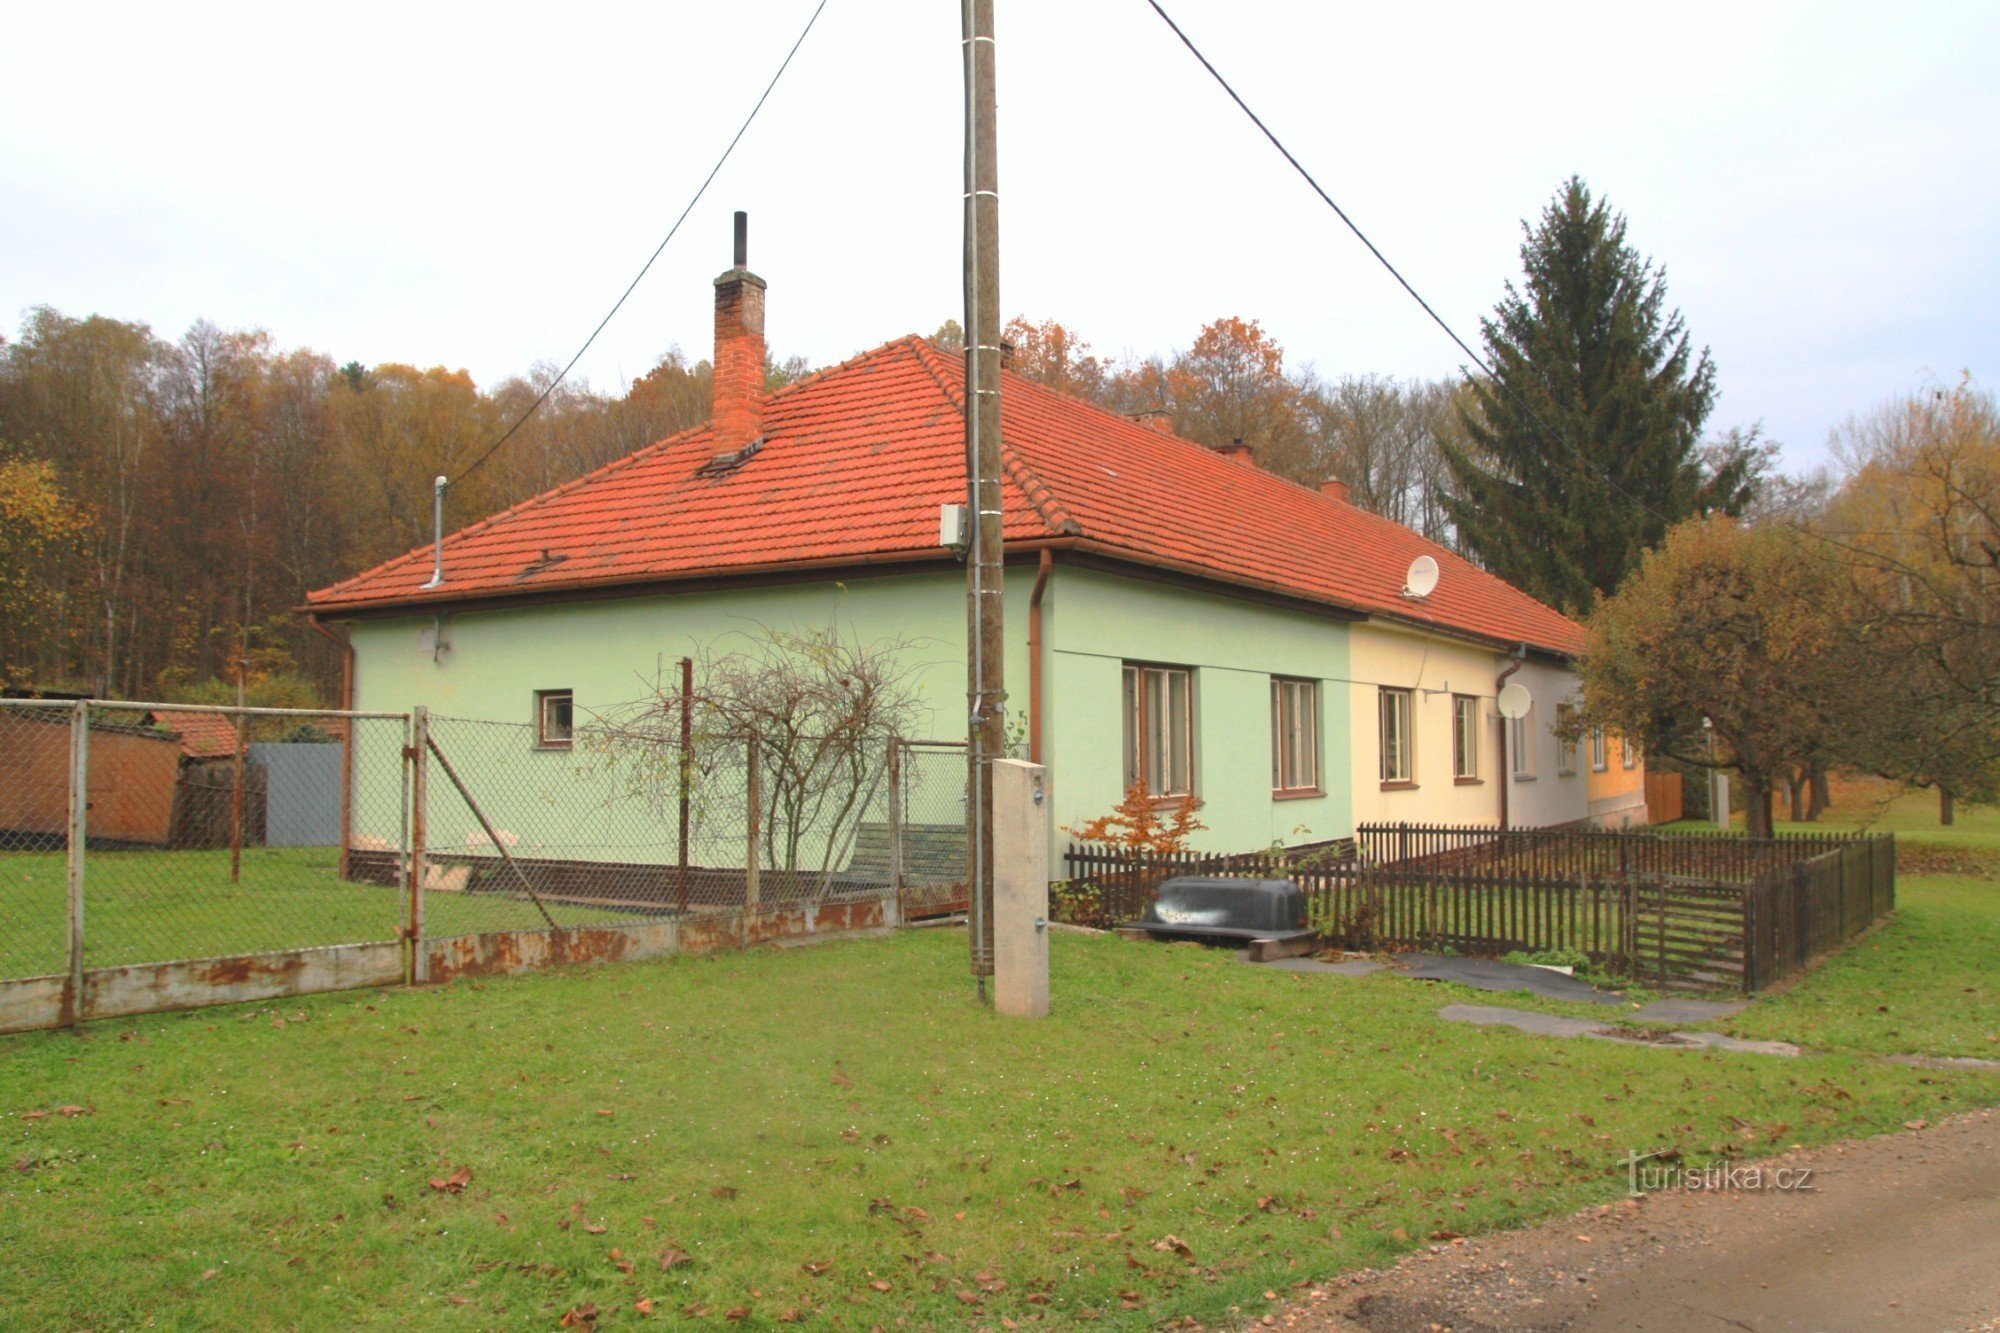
x: 418, y: 758
x: 76, y: 838
x: 896, y: 822
x: 753, y: 889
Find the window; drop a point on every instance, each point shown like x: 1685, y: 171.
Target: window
x: 1565, y: 739
x: 1396, y: 751
x: 1522, y: 755
x: 1159, y: 729
x: 1465, y: 738
x: 553, y: 719
x: 1599, y: 760
x: 1294, y: 735
x: 1630, y: 749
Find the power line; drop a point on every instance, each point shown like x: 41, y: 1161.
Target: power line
x: 707, y: 180
x: 1403, y: 282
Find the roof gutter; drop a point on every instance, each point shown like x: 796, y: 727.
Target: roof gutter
x: 638, y: 585
x: 1045, y: 567
x: 1506, y: 773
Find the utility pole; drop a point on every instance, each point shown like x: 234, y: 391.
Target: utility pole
x: 986, y: 691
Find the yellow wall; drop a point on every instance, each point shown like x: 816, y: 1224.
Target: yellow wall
x: 1436, y: 669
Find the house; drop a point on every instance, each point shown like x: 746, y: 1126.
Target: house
x: 1195, y: 623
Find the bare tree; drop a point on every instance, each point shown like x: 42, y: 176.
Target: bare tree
x: 820, y: 707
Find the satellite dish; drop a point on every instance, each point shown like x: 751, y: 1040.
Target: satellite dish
x: 1515, y: 701
x: 1422, y: 579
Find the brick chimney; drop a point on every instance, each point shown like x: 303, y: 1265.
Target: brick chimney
x: 739, y: 351
x: 1238, y: 452
x: 1336, y: 488
x: 1154, y: 418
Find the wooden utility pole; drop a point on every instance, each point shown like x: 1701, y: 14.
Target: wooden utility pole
x: 242, y: 742
x: 985, y: 644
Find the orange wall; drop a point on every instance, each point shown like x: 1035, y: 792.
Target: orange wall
x: 1617, y: 793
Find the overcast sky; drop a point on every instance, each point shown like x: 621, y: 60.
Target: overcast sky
x: 473, y: 186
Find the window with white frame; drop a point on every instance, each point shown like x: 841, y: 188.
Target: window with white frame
x: 1397, y: 752
x: 1600, y: 751
x: 1464, y: 737
x: 1294, y: 735
x: 1159, y: 729
x: 1629, y: 750
x: 1522, y: 756
x: 554, y: 719
x: 1565, y: 738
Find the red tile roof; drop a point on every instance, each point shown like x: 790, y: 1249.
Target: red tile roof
x: 858, y: 458
x: 202, y: 735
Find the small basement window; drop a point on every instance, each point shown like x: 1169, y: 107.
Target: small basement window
x: 554, y: 719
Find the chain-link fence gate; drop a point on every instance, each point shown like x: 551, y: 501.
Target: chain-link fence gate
x: 922, y: 837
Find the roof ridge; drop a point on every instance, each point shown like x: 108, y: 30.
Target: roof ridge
x: 1037, y: 491
x: 925, y: 350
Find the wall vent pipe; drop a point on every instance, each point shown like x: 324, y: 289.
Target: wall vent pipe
x: 437, y: 533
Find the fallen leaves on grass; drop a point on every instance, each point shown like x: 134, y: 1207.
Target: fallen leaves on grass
x: 1174, y: 1245
x: 454, y: 1183
x: 672, y: 1257
x: 583, y: 1316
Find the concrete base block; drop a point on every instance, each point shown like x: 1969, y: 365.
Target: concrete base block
x: 1020, y: 889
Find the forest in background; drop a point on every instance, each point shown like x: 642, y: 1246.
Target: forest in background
x: 164, y: 505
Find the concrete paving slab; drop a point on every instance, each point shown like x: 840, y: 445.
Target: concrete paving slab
x: 1350, y: 967
x: 1491, y: 974
x: 1689, y: 1011
x: 1521, y: 1020
x: 1553, y: 1025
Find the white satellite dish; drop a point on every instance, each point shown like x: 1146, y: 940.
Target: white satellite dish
x: 1515, y: 701
x: 1422, y: 579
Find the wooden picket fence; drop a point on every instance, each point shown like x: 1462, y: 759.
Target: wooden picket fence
x: 1685, y: 911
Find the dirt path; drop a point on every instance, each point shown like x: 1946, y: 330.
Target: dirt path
x: 1901, y: 1231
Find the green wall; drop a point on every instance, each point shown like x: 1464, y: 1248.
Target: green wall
x: 608, y: 650
x: 1097, y: 622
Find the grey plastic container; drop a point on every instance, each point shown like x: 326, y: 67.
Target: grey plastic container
x: 1206, y: 906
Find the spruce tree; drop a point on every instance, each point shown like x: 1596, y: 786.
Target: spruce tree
x: 1585, y: 445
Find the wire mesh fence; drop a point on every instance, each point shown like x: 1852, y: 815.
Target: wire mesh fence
x: 605, y: 828
x: 218, y: 850
x: 204, y: 833
x: 34, y: 829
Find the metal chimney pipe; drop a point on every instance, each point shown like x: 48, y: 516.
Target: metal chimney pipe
x: 437, y: 532
x: 742, y: 239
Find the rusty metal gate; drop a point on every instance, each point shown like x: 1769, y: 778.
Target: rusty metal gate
x: 923, y: 837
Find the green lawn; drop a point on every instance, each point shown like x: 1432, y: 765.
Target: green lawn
x: 1925, y: 983
x: 154, y: 906
x: 840, y: 1134
x: 1912, y: 817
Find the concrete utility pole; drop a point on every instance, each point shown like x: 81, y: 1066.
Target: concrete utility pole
x: 986, y: 690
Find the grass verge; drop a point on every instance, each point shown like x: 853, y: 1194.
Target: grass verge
x: 838, y: 1134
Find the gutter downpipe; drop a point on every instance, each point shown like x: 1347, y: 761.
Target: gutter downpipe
x: 1043, y: 569
x: 1506, y: 774
x: 346, y: 647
